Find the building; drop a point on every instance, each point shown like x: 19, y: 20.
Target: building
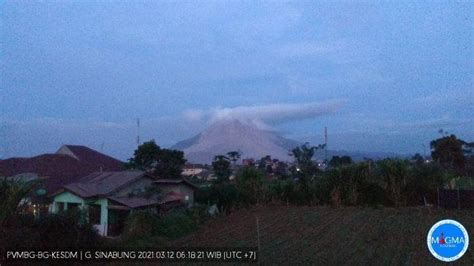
x: 178, y: 187
x: 190, y: 170
x: 55, y: 170
x: 108, y: 197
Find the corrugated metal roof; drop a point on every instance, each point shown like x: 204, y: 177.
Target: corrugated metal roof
x: 175, y: 181
x: 135, y: 202
x: 102, y: 183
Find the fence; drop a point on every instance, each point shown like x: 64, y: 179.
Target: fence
x: 455, y: 198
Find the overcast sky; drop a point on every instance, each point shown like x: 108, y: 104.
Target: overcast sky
x: 382, y: 76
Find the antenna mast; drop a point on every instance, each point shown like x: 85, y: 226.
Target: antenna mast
x: 325, y: 143
x: 138, y: 131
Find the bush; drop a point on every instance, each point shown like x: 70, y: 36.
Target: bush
x: 145, y: 228
x: 372, y: 194
x: 140, y: 224
x: 282, y: 190
x: 224, y: 195
x: 250, y: 185
x: 51, y: 231
x: 176, y: 224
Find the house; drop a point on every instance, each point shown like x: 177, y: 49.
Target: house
x: 65, y: 166
x: 179, y: 187
x: 53, y: 171
x: 190, y: 170
x: 108, y: 197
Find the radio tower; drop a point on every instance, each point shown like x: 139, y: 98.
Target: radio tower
x: 325, y: 143
x: 138, y: 131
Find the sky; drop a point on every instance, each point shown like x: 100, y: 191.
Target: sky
x: 380, y: 75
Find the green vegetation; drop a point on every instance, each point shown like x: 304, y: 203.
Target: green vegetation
x: 12, y: 192
x: 66, y: 229
x: 160, y: 162
x: 147, y: 229
x: 388, y: 182
x: 221, y: 167
x: 448, y: 152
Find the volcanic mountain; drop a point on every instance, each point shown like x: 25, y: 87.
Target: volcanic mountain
x: 232, y: 135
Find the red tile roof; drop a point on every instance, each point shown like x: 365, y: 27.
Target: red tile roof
x: 92, y: 157
x: 57, y: 170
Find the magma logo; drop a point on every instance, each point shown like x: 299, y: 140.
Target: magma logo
x: 448, y: 240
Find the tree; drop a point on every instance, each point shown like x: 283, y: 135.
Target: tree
x: 12, y: 192
x: 303, y: 158
x: 281, y: 169
x: 417, y: 158
x: 233, y: 156
x: 164, y: 163
x: 396, y: 176
x: 448, y: 152
x: 337, y: 161
x: 262, y: 163
x: 221, y: 166
x: 144, y: 157
x: 170, y: 163
x: 250, y: 184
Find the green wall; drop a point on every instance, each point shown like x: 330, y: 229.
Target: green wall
x: 67, y: 197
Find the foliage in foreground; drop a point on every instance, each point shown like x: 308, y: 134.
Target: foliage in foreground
x: 67, y: 229
x: 145, y: 228
x: 389, y: 182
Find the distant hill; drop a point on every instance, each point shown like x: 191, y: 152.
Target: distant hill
x: 357, y: 155
x: 233, y: 135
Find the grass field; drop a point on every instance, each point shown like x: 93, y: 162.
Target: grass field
x: 326, y: 235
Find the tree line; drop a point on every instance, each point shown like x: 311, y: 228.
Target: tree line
x: 388, y: 182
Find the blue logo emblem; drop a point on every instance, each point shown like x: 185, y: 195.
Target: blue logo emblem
x: 448, y: 240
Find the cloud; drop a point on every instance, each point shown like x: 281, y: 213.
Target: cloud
x: 263, y: 114
x: 308, y: 48
x: 363, y: 123
x: 446, y: 97
x: 118, y: 139
x: 431, y: 124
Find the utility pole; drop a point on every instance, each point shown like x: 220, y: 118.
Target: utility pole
x: 325, y: 144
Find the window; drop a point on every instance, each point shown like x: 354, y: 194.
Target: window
x: 60, y: 206
x: 94, y: 214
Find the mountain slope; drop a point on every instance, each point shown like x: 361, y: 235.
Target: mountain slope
x: 233, y: 135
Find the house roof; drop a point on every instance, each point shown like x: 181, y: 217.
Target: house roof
x: 173, y: 196
x: 102, y: 183
x: 89, y: 156
x: 59, y: 169
x: 175, y: 181
x: 135, y: 202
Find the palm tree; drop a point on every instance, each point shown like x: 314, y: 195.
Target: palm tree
x: 12, y: 192
x: 234, y: 156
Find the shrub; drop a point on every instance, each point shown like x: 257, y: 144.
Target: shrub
x: 176, y: 224
x: 250, y: 185
x: 140, y: 224
x: 50, y: 231
x: 145, y: 228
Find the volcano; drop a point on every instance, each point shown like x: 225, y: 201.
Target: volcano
x: 233, y: 135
